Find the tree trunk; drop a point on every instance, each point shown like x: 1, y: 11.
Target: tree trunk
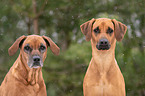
x: 35, y: 20
x: 28, y: 22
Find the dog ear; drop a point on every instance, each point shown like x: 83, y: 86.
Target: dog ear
x: 119, y: 29
x: 18, y: 43
x: 86, y: 29
x: 54, y: 48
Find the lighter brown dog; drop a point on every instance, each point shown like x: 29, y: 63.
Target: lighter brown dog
x: 25, y: 76
x: 103, y: 76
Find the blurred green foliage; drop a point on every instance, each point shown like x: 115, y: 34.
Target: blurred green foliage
x: 60, y: 20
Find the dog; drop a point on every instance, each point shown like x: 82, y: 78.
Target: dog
x: 25, y: 76
x: 103, y: 76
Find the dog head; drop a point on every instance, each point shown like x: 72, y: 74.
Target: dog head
x: 33, y: 49
x: 103, y: 32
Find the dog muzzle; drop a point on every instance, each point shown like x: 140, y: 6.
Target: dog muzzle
x: 35, y: 62
x: 103, y: 45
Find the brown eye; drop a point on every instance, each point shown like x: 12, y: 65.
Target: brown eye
x: 109, y: 30
x: 42, y: 48
x: 27, y: 48
x: 97, y: 30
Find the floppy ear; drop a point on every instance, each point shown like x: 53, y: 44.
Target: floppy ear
x: 86, y: 29
x: 119, y: 29
x: 54, y: 48
x: 13, y: 49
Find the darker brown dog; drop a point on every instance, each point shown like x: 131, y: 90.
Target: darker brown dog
x: 103, y: 76
x: 25, y: 76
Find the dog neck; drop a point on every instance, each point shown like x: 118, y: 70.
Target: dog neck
x: 25, y: 74
x: 102, y: 60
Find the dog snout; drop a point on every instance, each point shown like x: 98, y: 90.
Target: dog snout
x: 103, y: 44
x: 36, y: 61
x: 36, y: 58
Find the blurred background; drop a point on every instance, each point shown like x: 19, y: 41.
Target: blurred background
x: 60, y: 20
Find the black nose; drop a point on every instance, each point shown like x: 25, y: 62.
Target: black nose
x: 103, y: 44
x: 36, y: 58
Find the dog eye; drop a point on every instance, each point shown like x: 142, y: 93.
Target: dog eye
x: 109, y: 30
x: 97, y: 30
x: 42, y: 47
x: 27, y: 48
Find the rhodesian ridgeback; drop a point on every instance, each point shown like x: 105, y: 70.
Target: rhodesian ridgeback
x: 103, y: 76
x: 25, y: 76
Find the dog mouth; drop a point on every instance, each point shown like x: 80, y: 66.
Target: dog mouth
x: 103, y: 44
x: 36, y: 65
x: 103, y: 47
x: 35, y: 62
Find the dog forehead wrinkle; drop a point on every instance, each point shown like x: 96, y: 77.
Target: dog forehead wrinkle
x: 34, y: 41
x: 103, y: 23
